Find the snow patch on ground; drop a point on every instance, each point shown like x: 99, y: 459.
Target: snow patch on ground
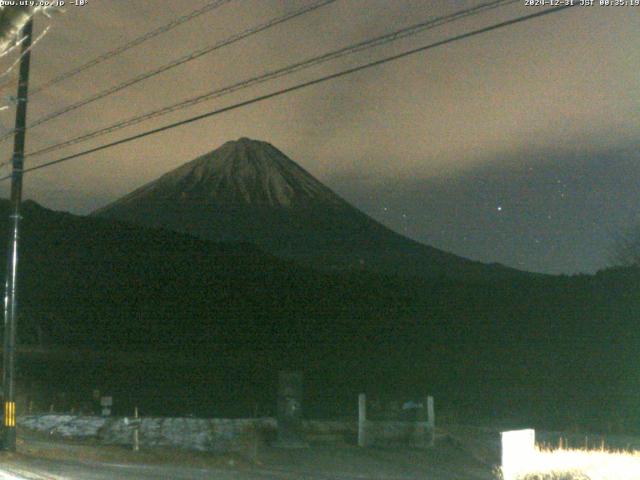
x: 218, y: 435
x: 67, y: 426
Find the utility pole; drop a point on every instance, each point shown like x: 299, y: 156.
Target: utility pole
x: 11, y: 290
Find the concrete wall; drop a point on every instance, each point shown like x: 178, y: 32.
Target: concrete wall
x: 214, y: 435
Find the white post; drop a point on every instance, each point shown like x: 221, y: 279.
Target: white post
x: 431, y: 420
x: 136, y: 428
x: 362, y: 420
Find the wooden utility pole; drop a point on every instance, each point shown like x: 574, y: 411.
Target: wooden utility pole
x: 11, y: 281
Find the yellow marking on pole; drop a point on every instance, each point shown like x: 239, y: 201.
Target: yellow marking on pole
x: 9, y: 414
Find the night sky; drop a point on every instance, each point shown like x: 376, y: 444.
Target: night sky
x: 519, y: 146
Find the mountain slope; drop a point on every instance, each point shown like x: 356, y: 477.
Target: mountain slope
x: 249, y: 191
x: 526, y: 345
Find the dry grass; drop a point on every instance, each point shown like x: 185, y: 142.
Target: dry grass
x: 581, y: 464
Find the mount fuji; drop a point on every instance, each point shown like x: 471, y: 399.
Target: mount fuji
x: 249, y: 191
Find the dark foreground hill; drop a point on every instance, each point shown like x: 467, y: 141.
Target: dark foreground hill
x: 211, y: 324
x: 250, y: 191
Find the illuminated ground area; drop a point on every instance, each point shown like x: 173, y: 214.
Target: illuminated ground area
x: 582, y: 464
x: 460, y: 453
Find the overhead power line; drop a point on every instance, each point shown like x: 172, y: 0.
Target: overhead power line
x: 180, y: 61
x: 133, y: 43
x: 300, y: 86
x: 271, y: 75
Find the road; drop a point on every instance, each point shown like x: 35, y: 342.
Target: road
x: 34, y: 469
x: 39, y: 459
